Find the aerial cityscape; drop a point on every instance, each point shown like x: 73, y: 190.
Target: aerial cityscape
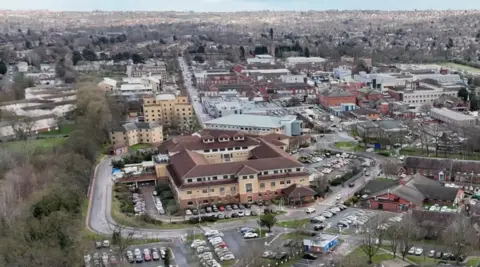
x: 240, y: 134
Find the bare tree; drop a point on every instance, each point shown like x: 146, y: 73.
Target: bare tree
x: 372, y: 235
x: 425, y: 108
x: 460, y: 236
x: 251, y: 257
x: 122, y: 238
x: 390, y: 168
x: 408, y: 231
x: 394, y: 235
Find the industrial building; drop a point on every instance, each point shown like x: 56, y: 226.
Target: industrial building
x: 450, y: 116
x: 261, y: 59
x: 256, y: 124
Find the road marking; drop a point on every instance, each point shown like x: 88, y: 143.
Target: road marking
x: 275, y: 238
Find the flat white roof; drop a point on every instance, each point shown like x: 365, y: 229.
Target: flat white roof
x: 164, y: 97
x: 128, y: 87
x: 452, y: 114
x: 267, y: 71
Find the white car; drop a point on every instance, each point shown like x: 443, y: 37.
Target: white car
x: 227, y: 257
x: 241, y: 213
x: 250, y: 235
x: 327, y: 214
x: 137, y: 252
x: 337, y: 209
x: 412, y: 250
x: 212, y: 232
x: 248, y: 213
x: 339, y: 196
x: 419, y: 251
x: 332, y: 211
x: 309, y: 210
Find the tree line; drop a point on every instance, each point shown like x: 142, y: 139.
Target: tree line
x: 43, y: 190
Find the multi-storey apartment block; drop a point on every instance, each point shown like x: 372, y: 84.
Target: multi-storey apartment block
x: 168, y: 109
x: 130, y: 134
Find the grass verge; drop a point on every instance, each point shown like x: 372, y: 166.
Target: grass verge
x: 294, y: 224
x: 359, y: 255
x: 36, y: 144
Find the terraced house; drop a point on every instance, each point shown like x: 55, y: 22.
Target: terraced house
x: 219, y: 166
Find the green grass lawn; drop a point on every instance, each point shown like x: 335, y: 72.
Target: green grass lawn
x: 62, y: 130
x: 359, y: 255
x: 459, y: 66
x: 420, y: 259
x: 35, y: 144
x: 139, y: 146
x: 294, y: 223
x: 418, y: 152
x: 473, y: 262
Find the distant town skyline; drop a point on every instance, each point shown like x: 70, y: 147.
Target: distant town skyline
x: 237, y: 5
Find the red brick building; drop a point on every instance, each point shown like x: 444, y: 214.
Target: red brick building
x: 336, y: 98
x: 414, y: 192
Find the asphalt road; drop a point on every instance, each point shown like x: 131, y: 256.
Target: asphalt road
x: 193, y: 93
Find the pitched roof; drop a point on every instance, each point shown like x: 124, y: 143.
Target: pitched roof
x: 296, y: 190
x: 439, y: 164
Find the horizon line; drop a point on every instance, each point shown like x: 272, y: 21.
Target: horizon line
x: 238, y: 11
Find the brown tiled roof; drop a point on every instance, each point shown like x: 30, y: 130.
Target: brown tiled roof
x: 282, y: 176
x: 296, y: 190
x: 195, y: 142
x: 247, y: 170
x: 275, y: 136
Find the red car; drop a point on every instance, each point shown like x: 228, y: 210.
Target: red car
x: 221, y: 208
x: 147, y: 256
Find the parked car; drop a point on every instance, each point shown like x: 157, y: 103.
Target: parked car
x: 221, y: 208
x: 241, y: 206
x: 138, y: 258
x: 438, y: 254
x: 254, y: 213
x: 351, y: 184
x: 106, y: 244
x: 155, y: 255
x: 235, y: 207
x: 194, y: 211
x: 412, y: 250
x: 319, y: 227
x: 228, y: 208
x: 221, y: 216
x: 250, y: 235
x: 327, y: 214
x: 318, y: 219
x: 431, y: 254
x: 208, y: 209
x: 241, y: 213
x: 419, y: 251
x: 98, y: 244
x: 188, y: 212
x: 248, y: 213
x: 309, y: 256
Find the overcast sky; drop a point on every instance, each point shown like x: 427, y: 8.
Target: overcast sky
x: 235, y: 5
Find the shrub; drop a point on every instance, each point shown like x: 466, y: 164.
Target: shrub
x: 150, y: 220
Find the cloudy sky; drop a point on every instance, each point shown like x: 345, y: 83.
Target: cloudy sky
x: 236, y: 5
